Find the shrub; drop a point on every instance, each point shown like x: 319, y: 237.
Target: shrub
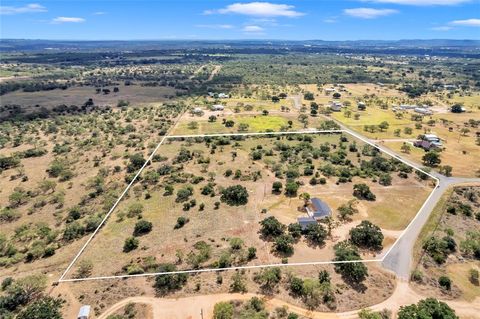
x: 131, y: 243
x: 169, y: 282
x: 181, y: 221
x: 445, y: 282
x: 142, y: 227
x: 473, y: 276
x: 223, y: 310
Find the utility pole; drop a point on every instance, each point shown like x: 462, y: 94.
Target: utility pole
x: 201, y: 313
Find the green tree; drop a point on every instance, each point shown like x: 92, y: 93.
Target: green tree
x: 277, y: 187
x: 43, y: 308
x: 235, y: 195
x: 223, y: 310
x: 429, y: 308
x: 291, y: 189
x: 271, y: 227
x: 354, y: 272
x: 431, y: 158
x: 367, y: 235
x: 362, y: 191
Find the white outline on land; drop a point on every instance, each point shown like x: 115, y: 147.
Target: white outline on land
x: 61, y: 279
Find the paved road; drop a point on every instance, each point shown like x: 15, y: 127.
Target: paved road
x: 399, y: 258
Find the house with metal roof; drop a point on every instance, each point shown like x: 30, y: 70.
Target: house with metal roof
x: 304, y: 221
x: 319, y: 209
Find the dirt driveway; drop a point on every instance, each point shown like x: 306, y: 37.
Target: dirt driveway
x: 201, y: 307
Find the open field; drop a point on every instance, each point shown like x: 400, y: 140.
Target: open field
x: 457, y: 264
x: 165, y: 243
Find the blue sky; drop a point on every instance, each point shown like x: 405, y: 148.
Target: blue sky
x: 219, y: 19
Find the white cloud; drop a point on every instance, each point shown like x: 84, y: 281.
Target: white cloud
x: 29, y: 8
x: 59, y: 20
x: 442, y: 28
x: 252, y: 28
x: 467, y: 22
x: 99, y: 13
x: 369, y: 13
x: 421, y: 2
x: 215, y: 26
x: 259, y: 9
x: 330, y: 20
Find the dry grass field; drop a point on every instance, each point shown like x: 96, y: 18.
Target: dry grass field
x: 217, y: 227
x: 458, y: 264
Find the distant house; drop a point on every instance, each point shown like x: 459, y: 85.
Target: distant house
x: 336, y: 106
x: 223, y: 96
x: 434, y: 139
x: 408, y: 107
x: 304, y: 221
x: 361, y: 106
x: 426, y: 145
x: 319, y: 209
x: 218, y: 107
x: 330, y: 90
x: 84, y: 312
x: 449, y: 87
x: 197, y: 110
x: 423, y: 110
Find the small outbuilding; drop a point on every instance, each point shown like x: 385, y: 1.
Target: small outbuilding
x: 84, y: 312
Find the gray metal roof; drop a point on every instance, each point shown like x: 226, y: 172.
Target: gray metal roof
x: 305, y: 221
x: 84, y: 312
x: 321, y: 209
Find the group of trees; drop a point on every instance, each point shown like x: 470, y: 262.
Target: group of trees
x: 24, y: 298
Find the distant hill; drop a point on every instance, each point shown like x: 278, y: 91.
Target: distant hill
x: 434, y: 46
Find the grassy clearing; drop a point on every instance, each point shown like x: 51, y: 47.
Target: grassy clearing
x: 459, y: 273
x: 430, y: 225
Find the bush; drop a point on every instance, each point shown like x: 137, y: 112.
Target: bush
x: 223, y: 310
x: 142, y: 227
x: 445, y: 282
x: 169, y: 282
x: 474, y: 276
x: 181, y: 221
x: 131, y: 243
x: 417, y: 276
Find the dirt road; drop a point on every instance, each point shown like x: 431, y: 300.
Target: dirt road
x: 193, y: 307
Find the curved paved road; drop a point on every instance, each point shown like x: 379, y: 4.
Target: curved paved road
x: 399, y: 257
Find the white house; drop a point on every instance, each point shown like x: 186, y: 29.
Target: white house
x: 223, y: 96
x: 197, y: 110
x: 218, y: 107
x: 336, y: 106
x: 422, y: 110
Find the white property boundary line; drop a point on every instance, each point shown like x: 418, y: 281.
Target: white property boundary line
x: 61, y: 279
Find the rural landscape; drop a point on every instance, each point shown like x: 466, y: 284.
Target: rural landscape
x: 239, y: 179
